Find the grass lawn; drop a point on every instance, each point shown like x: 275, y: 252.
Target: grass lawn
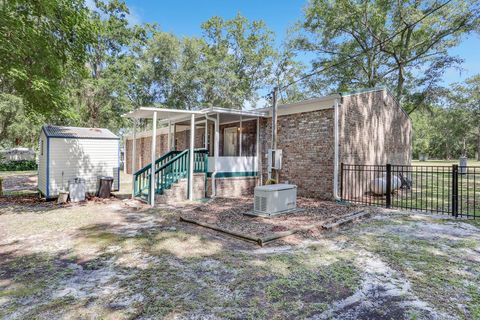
x: 431, y: 187
x: 4, y: 174
x: 470, y: 162
x: 121, y: 260
x: 432, y: 191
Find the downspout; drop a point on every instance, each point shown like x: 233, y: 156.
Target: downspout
x: 215, y: 152
x: 336, y: 150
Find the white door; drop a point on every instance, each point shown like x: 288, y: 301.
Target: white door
x: 230, y: 141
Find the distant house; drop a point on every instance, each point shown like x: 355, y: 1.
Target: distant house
x: 66, y: 153
x: 315, y: 136
x: 17, y: 154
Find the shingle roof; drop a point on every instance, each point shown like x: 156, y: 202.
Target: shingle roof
x: 78, y: 133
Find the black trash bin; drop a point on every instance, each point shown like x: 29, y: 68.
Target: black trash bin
x: 105, y: 187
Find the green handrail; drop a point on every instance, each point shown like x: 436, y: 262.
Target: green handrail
x: 142, y: 176
x: 169, y: 168
x: 171, y: 171
x: 164, y: 158
x: 177, y: 168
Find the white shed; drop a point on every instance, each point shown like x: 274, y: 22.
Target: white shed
x: 66, y: 153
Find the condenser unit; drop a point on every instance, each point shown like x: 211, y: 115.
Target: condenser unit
x: 275, y: 199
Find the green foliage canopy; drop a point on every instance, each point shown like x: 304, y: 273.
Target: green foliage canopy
x: 41, y: 44
x: 353, y: 40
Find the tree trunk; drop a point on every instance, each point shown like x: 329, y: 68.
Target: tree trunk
x: 400, y: 82
x: 93, y: 115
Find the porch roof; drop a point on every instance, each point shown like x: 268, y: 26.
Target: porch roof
x: 179, y: 115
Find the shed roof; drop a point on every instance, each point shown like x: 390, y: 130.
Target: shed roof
x: 78, y: 132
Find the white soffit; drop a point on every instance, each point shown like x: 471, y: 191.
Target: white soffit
x: 176, y: 114
x: 162, y: 113
x: 321, y: 103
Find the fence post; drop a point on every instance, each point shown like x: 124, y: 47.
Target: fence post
x: 389, y: 186
x: 455, y: 190
x: 341, y: 181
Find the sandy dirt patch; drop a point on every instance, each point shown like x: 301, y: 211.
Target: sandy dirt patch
x: 20, y: 182
x: 122, y: 260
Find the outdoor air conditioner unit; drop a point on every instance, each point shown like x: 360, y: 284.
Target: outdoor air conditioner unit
x: 275, y: 199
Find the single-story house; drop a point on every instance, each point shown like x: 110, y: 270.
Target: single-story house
x: 230, y: 146
x: 66, y: 153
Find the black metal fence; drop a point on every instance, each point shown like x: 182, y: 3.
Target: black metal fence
x: 452, y: 190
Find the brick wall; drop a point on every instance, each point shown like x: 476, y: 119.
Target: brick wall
x: 143, y: 151
x: 306, y: 140
x: 182, y: 138
x: 374, y: 130
x: 233, y: 187
x: 179, y: 191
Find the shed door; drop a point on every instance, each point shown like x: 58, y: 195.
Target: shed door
x: 230, y: 141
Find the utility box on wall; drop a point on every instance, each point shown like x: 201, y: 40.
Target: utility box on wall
x: 274, y: 158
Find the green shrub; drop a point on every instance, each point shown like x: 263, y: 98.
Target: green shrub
x: 22, y: 165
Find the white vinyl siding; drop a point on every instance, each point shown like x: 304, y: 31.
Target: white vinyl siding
x: 233, y: 164
x: 83, y: 158
x: 42, y: 160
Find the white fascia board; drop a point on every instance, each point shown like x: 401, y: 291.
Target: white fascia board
x: 316, y: 104
x: 163, y: 113
x: 252, y: 113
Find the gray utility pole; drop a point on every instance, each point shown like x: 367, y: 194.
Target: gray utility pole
x: 274, y: 127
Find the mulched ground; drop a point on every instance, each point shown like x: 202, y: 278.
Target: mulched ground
x: 229, y: 214
x: 34, y: 203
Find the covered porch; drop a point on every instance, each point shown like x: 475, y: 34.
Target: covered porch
x: 230, y: 138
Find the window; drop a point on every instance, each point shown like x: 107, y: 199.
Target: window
x: 230, y: 141
x: 41, y: 147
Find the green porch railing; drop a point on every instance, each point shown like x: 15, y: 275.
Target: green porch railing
x: 169, y: 168
x: 170, y: 172
x: 141, y: 182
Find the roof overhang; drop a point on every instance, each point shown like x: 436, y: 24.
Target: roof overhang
x: 247, y: 113
x: 315, y: 104
x: 164, y: 114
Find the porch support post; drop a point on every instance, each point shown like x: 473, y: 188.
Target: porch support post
x: 192, y: 158
x: 217, y: 140
x: 257, y: 153
x: 240, y: 137
x: 206, y: 134
x: 174, y: 136
x: 152, y: 169
x: 134, y: 155
x: 169, y: 136
x: 216, y: 153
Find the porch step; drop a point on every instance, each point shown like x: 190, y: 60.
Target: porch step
x: 178, y: 191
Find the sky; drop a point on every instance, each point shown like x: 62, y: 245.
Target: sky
x: 184, y: 17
